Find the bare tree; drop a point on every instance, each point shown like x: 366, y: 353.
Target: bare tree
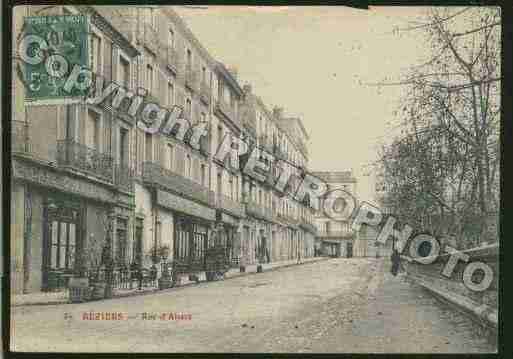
x: 443, y: 171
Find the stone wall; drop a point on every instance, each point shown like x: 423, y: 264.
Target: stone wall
x: 480, y: 306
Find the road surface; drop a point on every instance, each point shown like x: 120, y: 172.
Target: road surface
x: 337, y: 305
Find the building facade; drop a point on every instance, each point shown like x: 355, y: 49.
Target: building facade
x: 71, y: 174
x: 337, y: 238
x: 86, y: 177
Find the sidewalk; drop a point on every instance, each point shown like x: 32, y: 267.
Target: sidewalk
x: 62, y: 297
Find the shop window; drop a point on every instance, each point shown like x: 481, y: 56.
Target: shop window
x: 63, y: 239
x: 121, y: 245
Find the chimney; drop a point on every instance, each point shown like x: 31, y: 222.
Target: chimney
x: 233, y: 71
x: 278, y: 112
x: 247, y: 89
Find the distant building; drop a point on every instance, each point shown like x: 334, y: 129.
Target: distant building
x: 336, y: 238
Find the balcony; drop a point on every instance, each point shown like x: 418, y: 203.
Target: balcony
x: 225, y: 110
x: 336, y: 234
x: 228, y: 164
x: 265, y: 143
x: 205, y: 93
x: 279, y: 153
x: 155, y: 175
x: 151, y: 39
x: 20, y: 137
x: 77, y: 156
x: 124, y: 178
x: 172, y: 60
x: 229, y: 205
x: 255, y: 210
x: 287, y: 219
x: 191, y: 79
x: 308, y: 226
x: 250, y: 125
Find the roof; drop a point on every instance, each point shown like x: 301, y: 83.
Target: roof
x: 229, y: 77
x: 335, y: 176
x: 188, y: 34
x: 104, y: 25
x: 298, y: 121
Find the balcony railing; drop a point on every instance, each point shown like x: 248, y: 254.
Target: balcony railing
x: 205, y: 92
x: 223, y: 108
x: 278, y: 152
x: 255, y: 210
x: 80, y: 157
x: 265, y: 143
x: 191, y: 79
x: 20, y: 137
x: 308, y: 226
x: 229, y: 205
x: 287, y: 219
x: 150, y: 38
x: 156, y: 175
x: 124, y: 177
x: 250, y: 125
x: 343, y: 233
x: 172, y: 59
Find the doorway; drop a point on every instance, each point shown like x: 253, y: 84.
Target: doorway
x: 62, y: 241
x: 349, y: 252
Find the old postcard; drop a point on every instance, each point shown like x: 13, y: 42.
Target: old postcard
x: 260, y: 179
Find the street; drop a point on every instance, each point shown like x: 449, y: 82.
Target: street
x: 336, y: 305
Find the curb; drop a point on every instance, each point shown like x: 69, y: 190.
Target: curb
x: 480, y: 313
x: 154, y: 291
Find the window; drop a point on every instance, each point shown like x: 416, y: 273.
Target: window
x: 151, y: 17
x: 70, y: 122
x: 202, y: 175
x: 96, y: 52
x: 122, y: 245
x: 138, y: 239
x: 189, y: 60
x: 219, y: 134
x: 171, y: 39
x: 149, y: 77
x: 220, y: 89
x: 93, y: 130
x: 219, y: 183
x: 123, y: 146
x: 231, y: 187
x: 188, y: 165
x: 236, y: 188
x: 63, y: 236
x: 170, y: 94
x: 170, y: 157
x: 188, y: 107
x: 232, y: 100
x: 124, y: 66
x: 149, y: 147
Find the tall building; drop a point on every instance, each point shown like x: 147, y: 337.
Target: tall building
x: 87, y: 179
x: 71, y: 168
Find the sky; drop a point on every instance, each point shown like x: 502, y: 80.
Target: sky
x: 317, y: 63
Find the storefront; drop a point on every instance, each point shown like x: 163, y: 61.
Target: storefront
x: 56, y: 226
x: 192, y: 225
x: 190, y: 245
